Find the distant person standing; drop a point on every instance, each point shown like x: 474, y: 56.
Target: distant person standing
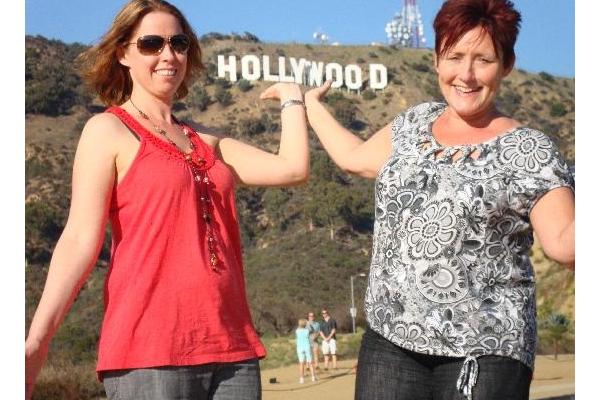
x: 303, y: 348
x: 314, y: 328
x: 328, y: 329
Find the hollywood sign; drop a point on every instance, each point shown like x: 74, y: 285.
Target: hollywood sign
x: 301, y: 71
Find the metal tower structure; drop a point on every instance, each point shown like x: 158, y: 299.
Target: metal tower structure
x: 320, y: 37
x: 406, y: 28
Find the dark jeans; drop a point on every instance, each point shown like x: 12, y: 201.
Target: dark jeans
x: 386, y: 372
x: 216, y: 381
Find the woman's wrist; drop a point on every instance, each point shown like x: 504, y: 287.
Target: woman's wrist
x: 291, y: 92
x: 292, y: 102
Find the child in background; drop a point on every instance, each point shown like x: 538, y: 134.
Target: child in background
x: 303, y: 349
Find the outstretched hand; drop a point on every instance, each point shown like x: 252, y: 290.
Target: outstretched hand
x: 319, y: 92
x: 35, y: 355
x: 282, y: 91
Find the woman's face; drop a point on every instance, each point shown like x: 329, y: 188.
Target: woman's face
x: 157, y: 74
x: 469, y: 75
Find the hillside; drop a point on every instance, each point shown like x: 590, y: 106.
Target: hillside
x: 292, y: 237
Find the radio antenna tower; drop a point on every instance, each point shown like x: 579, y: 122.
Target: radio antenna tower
x: 406, y: 28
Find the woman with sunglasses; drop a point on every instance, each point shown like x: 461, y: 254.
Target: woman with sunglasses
x: 177, y: 323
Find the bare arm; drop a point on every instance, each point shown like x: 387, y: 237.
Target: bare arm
x: 349, y: 152
x: 553, y: 220
x: 290, y: 166
x: 79, y: 243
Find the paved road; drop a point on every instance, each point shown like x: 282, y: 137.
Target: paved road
x: 552, y: 378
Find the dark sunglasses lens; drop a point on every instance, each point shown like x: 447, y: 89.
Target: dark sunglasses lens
x: 180, y: 43
x: 151, y: 44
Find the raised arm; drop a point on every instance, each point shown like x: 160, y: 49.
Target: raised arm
x: 553, y: 220
x: 79, y: 244
x: 348, y: 151
x: 290, y: 166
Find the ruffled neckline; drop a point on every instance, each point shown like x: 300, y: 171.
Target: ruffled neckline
x: 448, y: 151
x: 202, y: 157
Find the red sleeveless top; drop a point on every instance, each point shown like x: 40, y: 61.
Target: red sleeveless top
x: 164, y: 304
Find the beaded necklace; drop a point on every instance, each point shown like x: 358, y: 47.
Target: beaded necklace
x: 199, y: 166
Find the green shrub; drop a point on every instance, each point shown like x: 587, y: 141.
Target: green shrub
x: 557, y: 109
x: 421, y: 67
x: 368, y: 95
x: 345, y: 112
x: 51, y: 85
x: 546, y: 76
x: 198, y: 98
x: 223, y: 83
x: 250, y: 126
x: 223, y: 96
x: 509, y: 102
x: 334, y: 96
x: 244, y: 85
x: 43, y: 218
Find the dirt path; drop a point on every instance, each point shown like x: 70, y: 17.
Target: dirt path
x: 551, y: 378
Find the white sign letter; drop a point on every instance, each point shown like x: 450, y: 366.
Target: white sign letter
x: 339, y: 74
x: 267, y: 71
x: 282, y: 76
x: 223, y: 68
x: 351, y: 83
x: 248, y: 60
x: 315, y: 75
x: 378, y: 78
x: 297, y: 69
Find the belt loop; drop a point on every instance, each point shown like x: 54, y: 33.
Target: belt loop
x: 468, y: 377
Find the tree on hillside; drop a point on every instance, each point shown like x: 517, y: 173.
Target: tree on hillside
x: 51, y: 85
x: 275, y: 201
x: 330, y: 200
x: 198, y: 98
x: 555, y: 326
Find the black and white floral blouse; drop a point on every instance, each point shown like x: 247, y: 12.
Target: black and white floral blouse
x: 450, y: 273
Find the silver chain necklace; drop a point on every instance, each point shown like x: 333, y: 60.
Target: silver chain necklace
x: 163, y: 132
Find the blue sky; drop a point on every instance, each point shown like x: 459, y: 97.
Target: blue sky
x: 546, y: 42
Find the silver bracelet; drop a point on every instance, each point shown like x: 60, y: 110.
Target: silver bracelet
x: 292, y: 102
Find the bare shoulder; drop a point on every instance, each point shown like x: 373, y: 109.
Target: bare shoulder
x: 105, y: 132
x: 505, y: 123
x: 104, y: 126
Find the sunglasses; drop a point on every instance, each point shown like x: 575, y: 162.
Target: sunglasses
x: 152, y: 45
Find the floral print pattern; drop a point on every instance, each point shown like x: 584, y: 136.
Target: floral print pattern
x: 432, y: 230
x: 450, y: 272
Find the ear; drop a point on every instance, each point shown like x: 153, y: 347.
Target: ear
x: 122, y: 56
x: 508, y: 69
x: 435, y: 62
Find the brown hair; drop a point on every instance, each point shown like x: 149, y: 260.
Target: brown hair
x: 100, y: 67
x: 498, y: 18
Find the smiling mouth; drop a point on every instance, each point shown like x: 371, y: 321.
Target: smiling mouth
x: 466, y: 90
x: 166, y: 72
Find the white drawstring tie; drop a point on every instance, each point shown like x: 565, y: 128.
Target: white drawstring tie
x: 468, y: 377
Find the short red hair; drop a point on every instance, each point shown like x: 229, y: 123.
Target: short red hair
x: 498, y: 18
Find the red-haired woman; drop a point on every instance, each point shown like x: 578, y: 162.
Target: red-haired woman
x: 460, y: 188
x: 176, y: 323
